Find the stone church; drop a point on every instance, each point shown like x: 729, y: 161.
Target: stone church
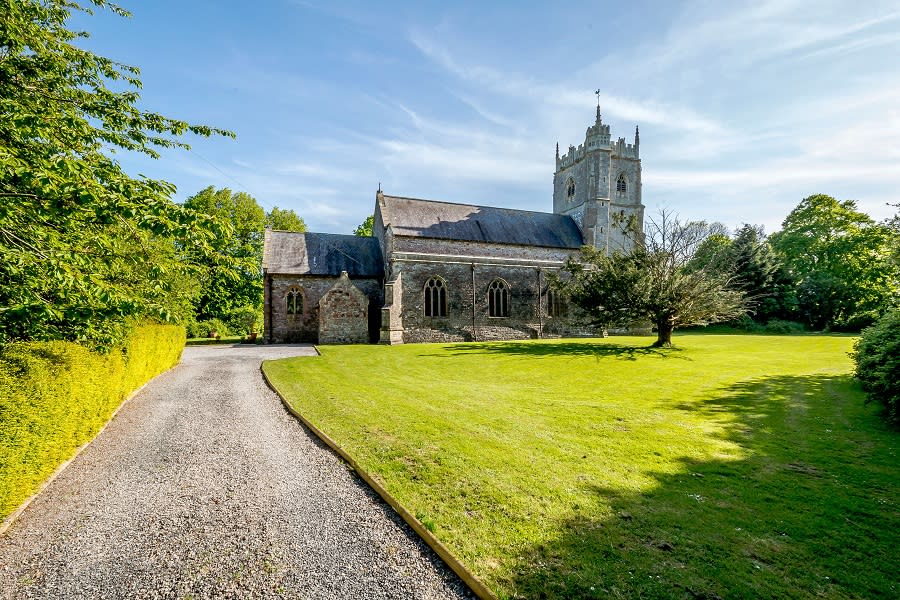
x: 439, y: 271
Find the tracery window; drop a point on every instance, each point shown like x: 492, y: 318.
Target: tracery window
x: 294, y: 300
x: 435, y: 297
x: 556, y: 304
x: 570, y: 189
x: 498, y: 298
x: 621, y: 184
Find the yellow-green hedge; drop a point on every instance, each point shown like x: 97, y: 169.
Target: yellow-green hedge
x: 55, y: 396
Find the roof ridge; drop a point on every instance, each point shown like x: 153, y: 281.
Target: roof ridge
x: 519, y: 210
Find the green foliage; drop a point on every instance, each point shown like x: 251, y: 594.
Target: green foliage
x: 715, y: 252
x: 759, y: 273
x: 55, y: 396
x: 245, y: 319
x: 781, y: 327
x: 202, y: 329
x: 877, y: 357
x: 365, y: 228
x: 83, y: 246
x: 231, y: 281
x: 232, y: 276
x: 285, y: 220
x: 893, y: 227
x: 841, y: 261
x: 655, y: 281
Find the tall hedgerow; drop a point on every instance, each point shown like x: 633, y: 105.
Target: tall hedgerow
x: 877, y: 356
x: 55, y: 396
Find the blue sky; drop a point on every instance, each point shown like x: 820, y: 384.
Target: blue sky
x: 744, y: 108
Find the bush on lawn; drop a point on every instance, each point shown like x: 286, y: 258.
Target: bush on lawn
x: 55, y: 396
x: 245, y: 319
x: 877, y: 356
x: 783, y: 327
x: 202, y: 329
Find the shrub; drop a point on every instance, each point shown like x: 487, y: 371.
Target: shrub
x: 55, y: 396
x: 877, y: 356
x: 192, y: 328
x: 746, y: 323
x: 783, y: 327
x: 245, y: 319
x: 204, y: 328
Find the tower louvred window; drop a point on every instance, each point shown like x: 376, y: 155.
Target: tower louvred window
x: 570, y: 189
x: 621, y: 184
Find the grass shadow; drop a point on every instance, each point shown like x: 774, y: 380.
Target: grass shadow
x: 810, y: 510
x: 539, y: 349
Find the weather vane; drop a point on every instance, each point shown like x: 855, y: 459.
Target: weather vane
x: 598, y: 98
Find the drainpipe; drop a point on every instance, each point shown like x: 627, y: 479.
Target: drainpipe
x: 540, y: 307
x: 268, y: 316
x: 474, y: 334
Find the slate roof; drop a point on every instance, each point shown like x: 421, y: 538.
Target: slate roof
x: 291, y: 253
x: 444, y: 220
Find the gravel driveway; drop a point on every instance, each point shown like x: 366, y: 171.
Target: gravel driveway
x: 203, y: 486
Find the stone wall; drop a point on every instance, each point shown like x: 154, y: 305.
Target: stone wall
x: 344, y: 314
x: 281, y: 327
x: 468, y: 268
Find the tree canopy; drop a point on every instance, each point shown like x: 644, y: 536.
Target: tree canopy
x: 841, y: 261
x: 231, y: 278
x: 365, y: 228
x: 83, y: 245
x: 653, y: 281
x: 231, y: 285
x: 285, y: 220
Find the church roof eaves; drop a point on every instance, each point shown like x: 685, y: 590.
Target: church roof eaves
x: 291, y: 253
x: 415, y: 217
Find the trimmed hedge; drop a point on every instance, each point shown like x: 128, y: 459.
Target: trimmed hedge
x: 877, y: 356
x: 55, y: 396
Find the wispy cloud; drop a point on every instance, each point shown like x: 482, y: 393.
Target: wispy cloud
x: 553, y: 95
x: 744, y: 34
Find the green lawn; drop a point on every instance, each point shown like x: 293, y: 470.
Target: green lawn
x: 733, y: 466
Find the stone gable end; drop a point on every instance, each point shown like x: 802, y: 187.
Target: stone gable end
x: 344, y: 314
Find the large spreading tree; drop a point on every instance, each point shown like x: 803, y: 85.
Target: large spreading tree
x: 231, y: 285
x: 83, y: 245
x: 841, y: 260
x: 231, y: 278
x: 285, y: 219
x: 653, y: 282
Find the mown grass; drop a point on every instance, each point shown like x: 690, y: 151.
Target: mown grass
x: 731, y: 466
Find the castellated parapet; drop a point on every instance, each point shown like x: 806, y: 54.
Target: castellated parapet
x: 598, y: 184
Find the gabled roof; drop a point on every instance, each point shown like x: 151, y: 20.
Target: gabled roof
x: 444, y: 220
x: 290, y: 253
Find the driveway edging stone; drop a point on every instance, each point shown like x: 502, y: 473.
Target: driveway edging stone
x: 469, y: 578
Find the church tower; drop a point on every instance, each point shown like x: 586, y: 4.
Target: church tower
x: 598, y: 184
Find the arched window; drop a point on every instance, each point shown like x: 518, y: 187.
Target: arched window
x: 435, y: 297
x: 570, y: 189
x: 498, y: 298
x: 294, y: 300
x: 556, y: 304
x: 621, y: 184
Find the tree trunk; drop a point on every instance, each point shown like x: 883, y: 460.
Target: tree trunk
x: 663, y: 334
